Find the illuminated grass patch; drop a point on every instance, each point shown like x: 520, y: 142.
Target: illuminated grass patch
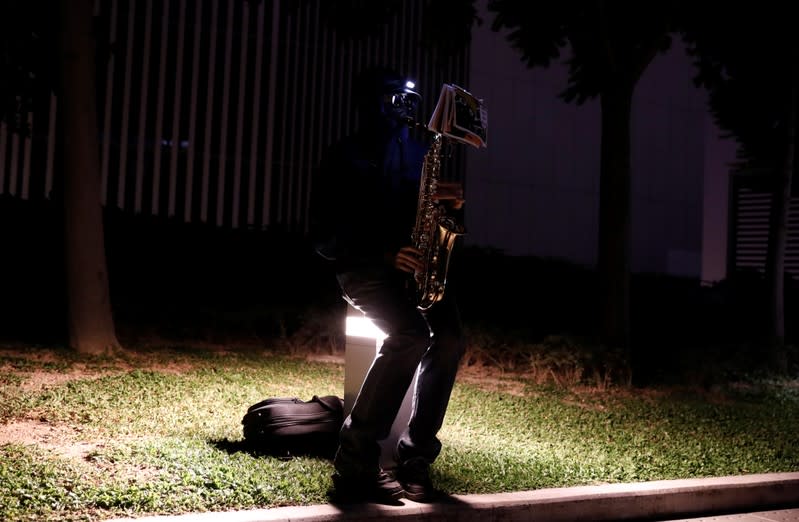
x: 158, y: 432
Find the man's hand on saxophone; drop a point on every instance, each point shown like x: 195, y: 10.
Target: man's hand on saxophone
x: 408, y: 259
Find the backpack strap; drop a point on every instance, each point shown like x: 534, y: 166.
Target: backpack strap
x: 331, y: 402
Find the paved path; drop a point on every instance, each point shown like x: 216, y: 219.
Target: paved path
x: 780, y: 515
x: 750, y: 498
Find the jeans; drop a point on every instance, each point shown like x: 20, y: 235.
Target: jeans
x: 430, y: 340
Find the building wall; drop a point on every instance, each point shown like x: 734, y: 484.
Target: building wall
x: 716, y: 209
x: 535, y: 189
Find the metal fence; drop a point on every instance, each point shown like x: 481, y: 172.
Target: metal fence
x: 217, y: 111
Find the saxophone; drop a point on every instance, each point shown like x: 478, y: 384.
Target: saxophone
x: 434, y: 232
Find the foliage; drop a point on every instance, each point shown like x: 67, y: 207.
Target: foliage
x: 603, y: 43
x: 558, y: 360
x: 745, y: 59
x: 447, y: 26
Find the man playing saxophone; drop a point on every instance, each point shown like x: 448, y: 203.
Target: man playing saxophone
x: 363, y: 208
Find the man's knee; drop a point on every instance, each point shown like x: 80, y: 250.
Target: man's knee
x: 412, y: 342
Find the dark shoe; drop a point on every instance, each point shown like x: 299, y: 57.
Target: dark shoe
x: 414, y: 476
x: 381, y: 489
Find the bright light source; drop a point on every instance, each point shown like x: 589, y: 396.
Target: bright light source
x: 410, y: 85
x: 364, y: 327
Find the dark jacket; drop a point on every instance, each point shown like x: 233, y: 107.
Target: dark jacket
x: 364, y: 198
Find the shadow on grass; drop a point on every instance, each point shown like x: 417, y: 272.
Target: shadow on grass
x: 285, y: 450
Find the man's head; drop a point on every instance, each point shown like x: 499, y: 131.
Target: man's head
x: 385, y: 97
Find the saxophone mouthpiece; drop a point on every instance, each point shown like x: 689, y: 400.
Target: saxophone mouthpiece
x: 410, y: 122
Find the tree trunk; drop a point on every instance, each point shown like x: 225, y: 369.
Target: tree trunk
x: 614, y: 218
x: 89, y: 319
x: 778, y: 226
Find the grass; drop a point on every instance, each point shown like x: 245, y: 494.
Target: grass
x: 157, y: 431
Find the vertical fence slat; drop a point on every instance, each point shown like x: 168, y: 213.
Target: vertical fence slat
x: 256, y: 116
x: 123, y: 131
x: 301, y: 133
x: 192, y: 149
x: 209, y: 112
x: 347, y: 73
x: 270, y: 114
x: 220, y: 184
x: 396, y: 50
x: 155, y: 193
x: 240, y: 116
x: 109, y: 95
x: 26, y: 159
x: 3, y: 146
x: 177, y: 104
x: 334, y: 102
x: 51, y: 137
x: 141, y: 142
x: 14, y: 167
x: 386, y: 44
x: 317, y: 85
x: 286, y: 149
x: 324, y: 85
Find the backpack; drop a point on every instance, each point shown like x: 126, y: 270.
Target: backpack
x: 288, y: 426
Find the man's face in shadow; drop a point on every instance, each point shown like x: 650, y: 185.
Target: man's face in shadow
x: 399, y: 106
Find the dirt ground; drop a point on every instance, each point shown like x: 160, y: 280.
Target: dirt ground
x: 64, y: 440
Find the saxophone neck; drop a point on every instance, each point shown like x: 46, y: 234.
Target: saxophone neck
x: 413, y: 124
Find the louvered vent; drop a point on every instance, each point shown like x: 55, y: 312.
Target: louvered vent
x: 750, y: 229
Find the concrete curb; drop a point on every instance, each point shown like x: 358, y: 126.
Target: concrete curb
x: 629, y: 501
